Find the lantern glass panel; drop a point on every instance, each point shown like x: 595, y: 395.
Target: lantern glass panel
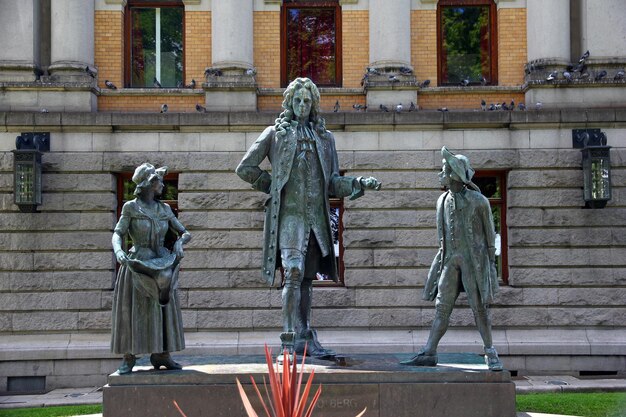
x: 597, y: 175
x: 27, y: 178
x: 600, y: 189
x: 27, y: 184
x: 24, y: 183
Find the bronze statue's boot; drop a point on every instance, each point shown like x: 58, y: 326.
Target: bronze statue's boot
x: 492, y: 360
x: 422, y: 358
x: 313, y: 346
x: 287, y: 341
x: 127, y: 364
x: 164, y: 359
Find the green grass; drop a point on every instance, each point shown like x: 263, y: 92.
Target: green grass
x: 601, y: 404
x: 611, y: 404
x: 64, y: 411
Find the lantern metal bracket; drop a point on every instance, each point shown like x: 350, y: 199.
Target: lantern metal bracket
x: 33, y: 140
x: 582, y: 138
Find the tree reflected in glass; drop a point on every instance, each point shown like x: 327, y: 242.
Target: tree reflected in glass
x: 311, y: 44
x: 465, y: 44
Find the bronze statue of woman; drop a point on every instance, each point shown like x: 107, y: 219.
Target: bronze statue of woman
x: 146, y: 311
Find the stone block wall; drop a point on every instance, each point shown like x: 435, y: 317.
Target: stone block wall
x: 566, y: 264
x: 563, y: 309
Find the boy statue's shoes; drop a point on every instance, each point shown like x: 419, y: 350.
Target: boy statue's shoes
x: 492, y: 360
x: 421, y: 359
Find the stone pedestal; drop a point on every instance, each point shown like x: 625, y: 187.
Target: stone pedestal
x: 390, y: 50
x: 460, y: 386
x: 232, y: 53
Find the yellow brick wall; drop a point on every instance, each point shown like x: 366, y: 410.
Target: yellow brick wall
x: 197, y: 45
x: 355, y: 49
x: 109, y: 47
x: 511, y: 46
x: 466, y: 100
x: 109, y: 58
x: 152, y: 104
x: 269, y: 103
x: 424, y: 45
x: 274, y: 102
x: 267, y: 49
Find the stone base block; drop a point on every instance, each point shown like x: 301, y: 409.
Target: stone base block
x: 390, y: 98
x: 223, y: 100
x: 460, y: 386
x: 49, y: 99
x: 594, y: 95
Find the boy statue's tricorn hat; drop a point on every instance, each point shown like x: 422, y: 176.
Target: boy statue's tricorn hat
x: 460, y: 166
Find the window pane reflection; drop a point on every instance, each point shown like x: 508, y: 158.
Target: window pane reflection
x: 156, y: 46
x: 489, y: 186
x: 465, y: 44
x: 311, y: 44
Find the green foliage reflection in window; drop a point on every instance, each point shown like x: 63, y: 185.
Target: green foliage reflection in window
x: 311, y: 44
x: 465, y: 44
x: 156, y: 46
x: 491, y: 184
x: 170, y: 191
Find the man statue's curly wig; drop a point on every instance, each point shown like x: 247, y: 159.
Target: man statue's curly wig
x: 286, y: 118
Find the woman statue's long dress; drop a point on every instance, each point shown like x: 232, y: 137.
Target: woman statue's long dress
x: 146, y: 311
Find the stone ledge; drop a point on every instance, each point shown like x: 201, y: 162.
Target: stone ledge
x: 48, y: 86
x: 536, y: 342
x: 342, y: 120
x: 157, y: 92
x: 324, y: 91
x: 473, y: 89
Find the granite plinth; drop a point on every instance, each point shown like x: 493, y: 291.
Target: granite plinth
x: 460, y: 386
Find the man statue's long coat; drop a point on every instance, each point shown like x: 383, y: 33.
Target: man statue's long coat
x: 479, y: 239
x: 280, y: 150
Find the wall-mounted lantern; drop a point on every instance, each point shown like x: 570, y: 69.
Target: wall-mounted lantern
x: 596, y: 159
x: 27, y: 169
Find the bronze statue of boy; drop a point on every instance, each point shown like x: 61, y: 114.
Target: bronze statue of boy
x: 465, y: 260
x: 297, y: 234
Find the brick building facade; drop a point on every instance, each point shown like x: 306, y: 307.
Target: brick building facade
x: 562, y: 305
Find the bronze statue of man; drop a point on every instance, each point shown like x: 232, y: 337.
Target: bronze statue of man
x: 465, y: 260
x: 297, y: 234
